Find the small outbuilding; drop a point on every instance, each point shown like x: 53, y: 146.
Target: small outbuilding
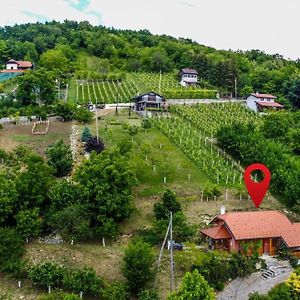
x: 188, y: 77
x: 260, y: 102
x: 149, y: 100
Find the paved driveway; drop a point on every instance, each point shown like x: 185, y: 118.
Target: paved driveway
x: 240, y: 288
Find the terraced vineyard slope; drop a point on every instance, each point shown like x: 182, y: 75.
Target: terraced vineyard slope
x: 121, y: 91
x: 193, y: 130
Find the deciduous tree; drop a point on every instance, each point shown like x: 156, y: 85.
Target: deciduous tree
x: 11, y: 249
x: 28, y: 223
x: 60, y: 158
x: 193, y: 287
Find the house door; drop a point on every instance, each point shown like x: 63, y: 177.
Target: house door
x: 267, y: 246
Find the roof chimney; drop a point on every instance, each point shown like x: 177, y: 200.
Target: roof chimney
x: 256, y: 93
x: 222, y: 210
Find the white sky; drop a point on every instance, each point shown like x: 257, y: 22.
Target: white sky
x: 269, y: 25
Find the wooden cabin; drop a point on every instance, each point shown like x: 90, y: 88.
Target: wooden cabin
x: 148, y: 101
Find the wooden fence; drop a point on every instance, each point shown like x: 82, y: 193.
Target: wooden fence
x: 40, y: 127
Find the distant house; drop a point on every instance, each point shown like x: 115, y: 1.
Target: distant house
x: 188, y: 77
x: 259, y: 102
x: 269, y: 230
x: 150, y: 100
x: 18, y: 65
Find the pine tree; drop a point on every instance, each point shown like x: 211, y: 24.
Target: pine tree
x: 86, y: 134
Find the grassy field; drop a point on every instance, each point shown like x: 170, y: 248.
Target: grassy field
x: 162, y: 151
x: 13, y: 135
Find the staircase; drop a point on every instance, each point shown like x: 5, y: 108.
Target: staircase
x: 274, y: 267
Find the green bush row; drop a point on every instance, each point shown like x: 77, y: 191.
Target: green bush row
x: 189, y: 94
x: 100, y: 76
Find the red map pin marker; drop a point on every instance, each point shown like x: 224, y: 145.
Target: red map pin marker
x: 257, y: 190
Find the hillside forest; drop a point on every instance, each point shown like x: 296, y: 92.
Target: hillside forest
x: 55, y: 46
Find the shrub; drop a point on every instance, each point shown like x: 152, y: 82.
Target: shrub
x: 85, y: 281
x: 146, y: 123
x: 148, y: 294
x: 124, y: 147
x: 212, y: 191
x: 293, y: 261
x: 94, y: 144
x: 115, y: 291
x: 83, y: 115
x: 47, y: 274
x: 138, y: 265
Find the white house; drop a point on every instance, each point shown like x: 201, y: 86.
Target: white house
x: 18, y: 65
x: 259, y: 102
x: 188, y: 77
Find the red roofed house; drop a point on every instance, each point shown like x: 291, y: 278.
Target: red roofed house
x: 258, y: 102
x: 268, y: 229
x: 188, y: 77
x: 18, y: 65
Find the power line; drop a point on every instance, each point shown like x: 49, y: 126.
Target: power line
x: 162, y: 249
x: 169, y: 233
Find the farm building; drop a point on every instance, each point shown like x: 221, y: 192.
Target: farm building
x: 18, y: 65
x: 150, y: 100
x: 188, y: 77
x: 260, y: 102
x: 266, y: 230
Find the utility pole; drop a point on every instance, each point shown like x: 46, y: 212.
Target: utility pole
x: 161, y: 251
x: 96, y: 110
x: 171, y: 255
